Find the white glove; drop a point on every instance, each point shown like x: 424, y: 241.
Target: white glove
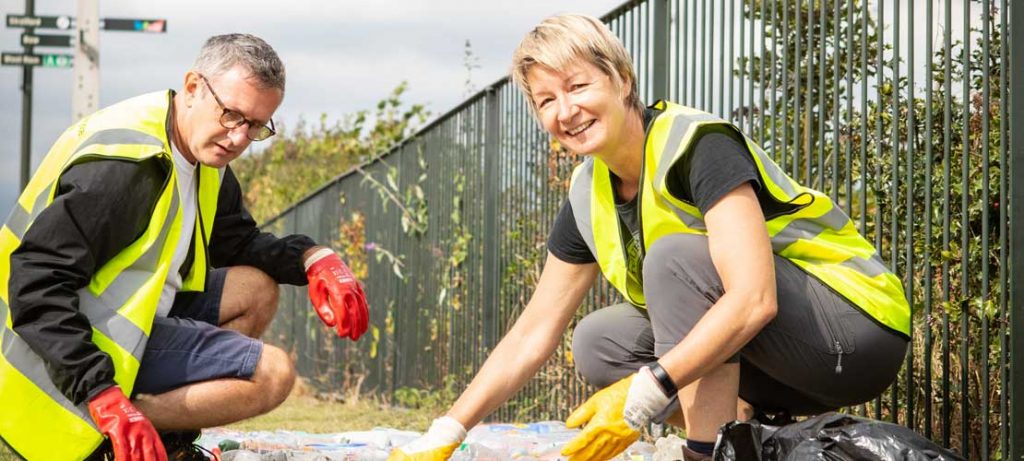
x: 644, y: 400
x: 443, y: 431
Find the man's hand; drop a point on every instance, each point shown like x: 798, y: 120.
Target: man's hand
x: 336, y: 295
x: 131, y: 434
x: 614, y: 417
x: 438, y: 444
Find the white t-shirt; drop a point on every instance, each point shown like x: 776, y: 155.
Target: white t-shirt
x: 186, y: 180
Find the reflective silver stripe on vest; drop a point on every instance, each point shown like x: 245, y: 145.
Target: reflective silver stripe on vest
x: 775, y: 174
x: 18, y: 220
x: 102, y: 310
x: 678, y: 128
x: 579, y: 198
x: 690, y: 220
x: 18, y: 353
x: 119, y: 136
x: 871, y: 267
x: 810, y: 228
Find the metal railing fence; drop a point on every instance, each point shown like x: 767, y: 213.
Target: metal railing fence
x: 901, y: 110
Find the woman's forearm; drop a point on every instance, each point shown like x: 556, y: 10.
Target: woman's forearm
x: 515, y: 360
x: 732, y: 322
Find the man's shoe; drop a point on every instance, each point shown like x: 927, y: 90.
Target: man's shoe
x: 181, y: 446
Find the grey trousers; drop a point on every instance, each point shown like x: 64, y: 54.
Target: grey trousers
x: 818, y: 354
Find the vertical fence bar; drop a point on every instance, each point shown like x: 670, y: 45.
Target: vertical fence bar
x: 771, y: 48
x: 1004, y: 167
x: 848, y: 151
x: 894, y: 176
x: 909, y: 249
x: 879, y: 82
x: 983, y: 308
x: 680, y: 52
x: 928, y: 273
x: 965, y: 239
x: 743, y: 68
x: 708, y: 102
x: 784, y: 77
x: 1015, y: 119
x: 835, y: 101
x: 864, y: 122
x: 798, y: 92
x: 750, y: 89
x: 807, y: 137
x: 722, y: 112
x: 728, y: 112
x: 661, y: 57
x: 694, y: 55
x: 820, y: 86
x: 946, y: 151
x: 762, y: 48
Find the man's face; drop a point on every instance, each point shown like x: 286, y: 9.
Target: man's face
x: 208, y: 141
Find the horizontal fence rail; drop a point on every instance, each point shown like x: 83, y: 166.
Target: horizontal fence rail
x: 899, y: 110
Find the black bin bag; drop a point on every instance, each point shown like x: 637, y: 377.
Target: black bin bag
x: 831, y: 436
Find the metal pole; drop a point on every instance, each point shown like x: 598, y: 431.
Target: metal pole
x: 86, y: 87
x: 1016, y: 127
x: 26, y: 105
x: 660, y: 76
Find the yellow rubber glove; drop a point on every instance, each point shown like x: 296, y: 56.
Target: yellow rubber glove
x: 437, y: 444
x: 606, y: 433
x: 437, y: 454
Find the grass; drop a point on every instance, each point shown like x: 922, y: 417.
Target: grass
x: 303, y: 411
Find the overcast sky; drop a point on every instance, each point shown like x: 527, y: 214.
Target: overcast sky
x: 341, y: 56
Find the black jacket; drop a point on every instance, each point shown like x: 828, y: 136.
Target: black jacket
x: 101, y: 207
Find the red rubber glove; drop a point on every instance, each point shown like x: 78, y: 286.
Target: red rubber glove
x: 131, y: 434
x: 336, y: 294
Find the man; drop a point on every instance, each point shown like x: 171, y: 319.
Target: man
x: 131, y: 269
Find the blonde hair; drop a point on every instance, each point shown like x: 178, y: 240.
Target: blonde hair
x: 559, y: 40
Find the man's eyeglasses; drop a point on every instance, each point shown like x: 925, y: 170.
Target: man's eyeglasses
x: 231, y: 119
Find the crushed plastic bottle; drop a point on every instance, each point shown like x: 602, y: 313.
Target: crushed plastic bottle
x: 542, y: 441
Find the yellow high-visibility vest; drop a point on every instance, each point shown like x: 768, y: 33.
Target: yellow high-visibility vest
x: 813, y: 232
x: 121, y: 299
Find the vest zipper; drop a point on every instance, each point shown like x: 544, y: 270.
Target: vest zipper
x: 199, y: 217
x: 839, y: 358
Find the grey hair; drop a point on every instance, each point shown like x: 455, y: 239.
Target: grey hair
x: 222, y: 52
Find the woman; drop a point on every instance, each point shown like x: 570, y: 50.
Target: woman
x: 742, y: 285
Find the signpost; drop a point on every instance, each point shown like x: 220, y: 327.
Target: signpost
x: 85, y: 86
x: 85, y: 44
x: 156, y: 26
x: 44, y: 60
x: 40, y: 22
x: 60, y: 41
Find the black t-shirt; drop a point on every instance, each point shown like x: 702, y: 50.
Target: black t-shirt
x: 718, y: 164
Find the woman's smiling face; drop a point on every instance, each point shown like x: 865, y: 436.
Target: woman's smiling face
x: 581, y: 106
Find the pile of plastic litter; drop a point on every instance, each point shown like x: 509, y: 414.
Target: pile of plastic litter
x: 486, y: 442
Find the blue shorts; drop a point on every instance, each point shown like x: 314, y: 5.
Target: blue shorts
x: 187, y: 346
